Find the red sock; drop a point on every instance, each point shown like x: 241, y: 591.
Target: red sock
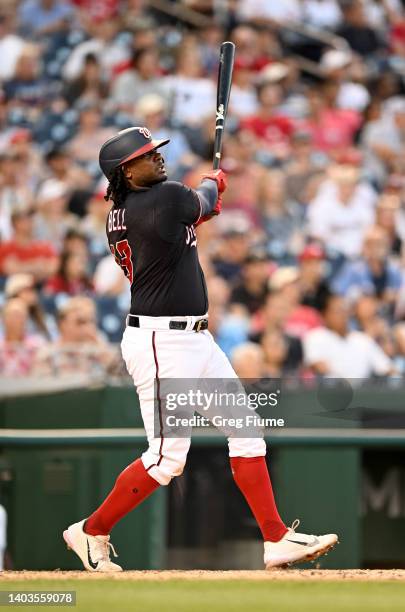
x: 132, y: 486
x: 253, y: 479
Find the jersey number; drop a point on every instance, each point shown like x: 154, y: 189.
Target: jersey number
x: 123, y: 256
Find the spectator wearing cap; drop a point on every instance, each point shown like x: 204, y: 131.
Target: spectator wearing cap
x: 10, y: 46
x: 312, y: 274
x: 23, y: 253
x: 342, y: 210
x: 142, y: 78
x: 373, y: 273
x: 250, y: 292
x: 152, y: 111
x: 80, y: 346
x: 340, y: 66
x: 17, y: 347
x: 22, y: 286
x: 335, y: 351
x: 53, y: 219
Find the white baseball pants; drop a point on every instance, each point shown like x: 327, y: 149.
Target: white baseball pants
x: 151, y: 354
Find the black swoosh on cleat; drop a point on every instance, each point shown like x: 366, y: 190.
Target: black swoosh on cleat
x: 91, y: 563
x: 313, y: 543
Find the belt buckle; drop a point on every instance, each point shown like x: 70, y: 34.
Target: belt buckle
x: 199, y: 325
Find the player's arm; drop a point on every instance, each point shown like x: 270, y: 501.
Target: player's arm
x: 176, y: 204
x: 209, y: 192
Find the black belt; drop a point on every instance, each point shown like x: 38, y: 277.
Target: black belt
x: 199, y: 325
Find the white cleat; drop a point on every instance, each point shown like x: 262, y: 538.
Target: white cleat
x: 297, y: 548
x: 94, y: 551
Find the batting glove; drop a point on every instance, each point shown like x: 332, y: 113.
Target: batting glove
x: 219, y: 177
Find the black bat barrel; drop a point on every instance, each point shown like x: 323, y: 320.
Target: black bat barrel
x: 226, y: 59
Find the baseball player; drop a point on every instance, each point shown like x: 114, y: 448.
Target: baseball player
x: 151, y: 233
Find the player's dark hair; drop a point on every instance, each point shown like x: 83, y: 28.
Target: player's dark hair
x: 117, y: 187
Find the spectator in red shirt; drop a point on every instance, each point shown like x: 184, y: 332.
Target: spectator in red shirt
x: 332, y: 128
x: 72, y: 278
x: 272, y: 129
x: 23, y: 253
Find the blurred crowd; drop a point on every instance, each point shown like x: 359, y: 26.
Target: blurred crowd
x: 305, y: 266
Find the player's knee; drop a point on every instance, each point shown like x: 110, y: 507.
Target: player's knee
x: 173, y: 467
x: 167, y: 468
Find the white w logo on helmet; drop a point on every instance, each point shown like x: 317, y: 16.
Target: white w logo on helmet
x: 145, y: 132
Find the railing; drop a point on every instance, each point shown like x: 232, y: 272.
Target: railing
x: 361, y: 438
x: 194, y: 18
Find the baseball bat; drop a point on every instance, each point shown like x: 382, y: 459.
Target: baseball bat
x: 226, y: 57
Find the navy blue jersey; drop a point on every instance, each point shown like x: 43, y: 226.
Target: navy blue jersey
x: 152, y: 238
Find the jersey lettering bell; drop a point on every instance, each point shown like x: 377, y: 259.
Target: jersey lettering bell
x: 152, y: 238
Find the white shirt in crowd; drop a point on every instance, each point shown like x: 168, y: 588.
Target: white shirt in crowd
x: 10, y: 50
x: 282, y: 10
x: 353, y: 96
x: 243, y: 102
x: 322, y: 13
x: 341, y: 226
x: 193, y: 98
x: 356, y: 355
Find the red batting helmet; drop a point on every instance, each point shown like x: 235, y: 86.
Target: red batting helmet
x: 126, y: 145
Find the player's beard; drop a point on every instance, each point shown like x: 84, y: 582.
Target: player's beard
x: 159, y: 179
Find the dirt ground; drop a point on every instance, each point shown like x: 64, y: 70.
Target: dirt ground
x: 150, y: 575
